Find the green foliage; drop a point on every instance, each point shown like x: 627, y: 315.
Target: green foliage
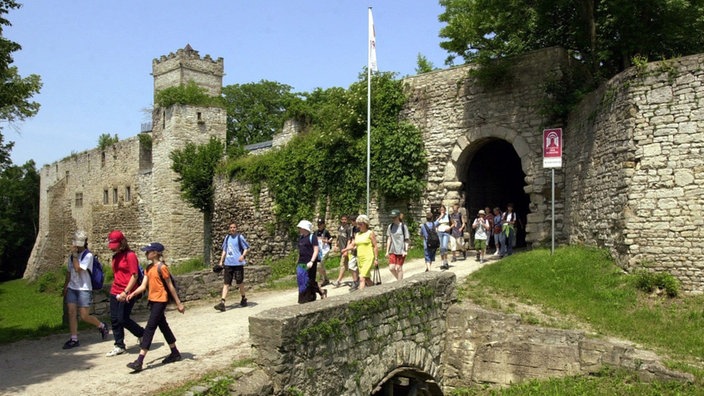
x: 492, y: 73
x: 585, y: 284
x: 145, y: 140
x: 562, y: 93
x: 328, y: 160
x: 195, y: 166
x: 105, y: 140
x: 19, y: 215
x: 603, y: 35
x: 188, y: 94
x: 648, y: 282
x: 423, y: 65
x: 27, y: 313
x: 187, y: 266
x: 256, y: 111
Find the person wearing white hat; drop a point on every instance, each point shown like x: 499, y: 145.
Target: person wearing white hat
x: 78, y: 290
x: 306, y: 267
x: 481, y: 228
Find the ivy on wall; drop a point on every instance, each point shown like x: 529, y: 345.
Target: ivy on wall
x: 327, y: 161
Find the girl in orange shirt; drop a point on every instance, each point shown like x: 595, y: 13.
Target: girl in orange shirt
x: 158, y: 279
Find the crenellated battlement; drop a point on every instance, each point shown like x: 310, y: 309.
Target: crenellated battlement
x: 186, y: 65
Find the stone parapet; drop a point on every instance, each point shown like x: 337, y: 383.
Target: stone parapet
x: 346, y: 345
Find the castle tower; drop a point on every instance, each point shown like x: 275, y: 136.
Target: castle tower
x: 174, y: 221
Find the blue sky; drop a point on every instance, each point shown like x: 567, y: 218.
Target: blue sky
x: 94, y: 57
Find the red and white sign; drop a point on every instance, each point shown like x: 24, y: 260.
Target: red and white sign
x: 552, y: 148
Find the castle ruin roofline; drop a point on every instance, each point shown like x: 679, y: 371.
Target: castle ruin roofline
x: 186, y: 53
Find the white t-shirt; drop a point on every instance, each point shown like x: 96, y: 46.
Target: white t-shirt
x: 81, y: 280
x: 480, y: 230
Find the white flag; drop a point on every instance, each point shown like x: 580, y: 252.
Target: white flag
x: 372, y: 44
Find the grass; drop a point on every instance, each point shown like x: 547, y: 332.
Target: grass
x: 584, y: 283
x: 25, y: 312
x: 216, y: 382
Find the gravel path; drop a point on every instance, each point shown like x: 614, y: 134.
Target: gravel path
x: 208, y: 340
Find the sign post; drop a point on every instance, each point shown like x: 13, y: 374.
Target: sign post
x: 552, y: 158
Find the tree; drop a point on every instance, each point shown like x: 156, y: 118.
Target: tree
x: 604, y: 35
x: 19, y: 185
x: 19, y: 213
x: 423, y: 64
x: 256, y: 111
x: 195, y: 165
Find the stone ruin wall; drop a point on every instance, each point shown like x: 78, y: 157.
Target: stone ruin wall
x: 635, y: 169
x: 89, y: 173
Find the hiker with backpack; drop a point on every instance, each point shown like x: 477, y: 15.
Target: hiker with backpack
x: 126, y: 271
x: 78, y: 289
x: 431, y: 240
x: 161, y: 287
x: 233, y: 258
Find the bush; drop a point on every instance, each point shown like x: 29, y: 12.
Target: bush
x: 648, y: 282
x: 51, y: 282
x: 188, y: 266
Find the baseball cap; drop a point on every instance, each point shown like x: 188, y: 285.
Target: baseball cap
x: 321, y: 221
x: 482, y: 211
x: 395, y: 213
x: 115, y: 238
x: 153, y: 247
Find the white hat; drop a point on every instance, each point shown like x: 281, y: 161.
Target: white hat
x: 79, y: 238
x: 306, y: 225
x: 363, y: 219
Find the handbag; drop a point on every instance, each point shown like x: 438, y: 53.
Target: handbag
x: 376, y: 276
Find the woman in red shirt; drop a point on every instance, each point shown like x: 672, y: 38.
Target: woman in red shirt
x: 125, y: 268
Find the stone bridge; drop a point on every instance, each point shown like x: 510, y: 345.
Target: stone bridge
x: 412, y: 335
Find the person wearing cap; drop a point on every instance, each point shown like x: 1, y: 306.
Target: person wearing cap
x: 78, y: 290
x: 157, y: 279
x: 397, y: 244
x: 324, y: 238
x: 125, y: 269
x: 233, y: 257
x: 367, y: 251
x: 307, y: 262
x: 481, y: 228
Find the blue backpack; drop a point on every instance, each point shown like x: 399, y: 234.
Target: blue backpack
x: 97, y: 276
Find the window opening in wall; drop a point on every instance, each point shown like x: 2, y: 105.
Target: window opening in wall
x: 79, y: 200
x: 105, y: 197
x: 163, y: 120
x: 114, y: 195
x: 102, y: 158
x: 128, y: 194
x: 199, y: 116
x: 67, y: 173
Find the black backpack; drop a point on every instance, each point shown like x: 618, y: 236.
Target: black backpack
x: 433, y: 240
x: 171, y: 298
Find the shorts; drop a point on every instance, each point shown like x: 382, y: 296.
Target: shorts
x: 429, y: 255
x: 344, y: 259
x: 352, y: 265
x: 480, y: 244
x: 396, y: 259
x: 234, y: 270
x: 81, y: 298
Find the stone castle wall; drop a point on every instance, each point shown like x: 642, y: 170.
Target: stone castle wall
x: 635, y: 169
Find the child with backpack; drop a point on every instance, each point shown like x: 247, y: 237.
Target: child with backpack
x: 431, y: 240
x: 78, y: 289
x: 158, y: 280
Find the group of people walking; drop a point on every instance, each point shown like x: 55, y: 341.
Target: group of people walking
x: 129, y: 283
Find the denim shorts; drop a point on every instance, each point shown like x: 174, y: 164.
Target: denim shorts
x: 82, y: 298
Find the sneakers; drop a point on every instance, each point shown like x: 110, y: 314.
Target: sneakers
x: 220, y: 307
x: 71, y: 344
x: 171, y: 358
x: 104, y: 331
x: 116, y: 351
x: 355, y: 286
x: 243, y: 302
x: 135, y: 366
x: 454, y: 259
x: 496, y: 253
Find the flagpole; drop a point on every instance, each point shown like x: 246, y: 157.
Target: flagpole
x: 369, y: 101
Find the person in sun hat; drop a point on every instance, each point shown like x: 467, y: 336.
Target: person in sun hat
x: 125, y: 269
x: 367, y: 251
x: 158, y: 280
x: 78, y: 290
x: 481, y: 229
x: 307, y: 262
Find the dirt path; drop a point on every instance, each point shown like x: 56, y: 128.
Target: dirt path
x: 208, y: 340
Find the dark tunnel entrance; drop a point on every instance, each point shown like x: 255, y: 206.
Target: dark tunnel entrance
x: 406, y: 381
x: 493, y: 176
